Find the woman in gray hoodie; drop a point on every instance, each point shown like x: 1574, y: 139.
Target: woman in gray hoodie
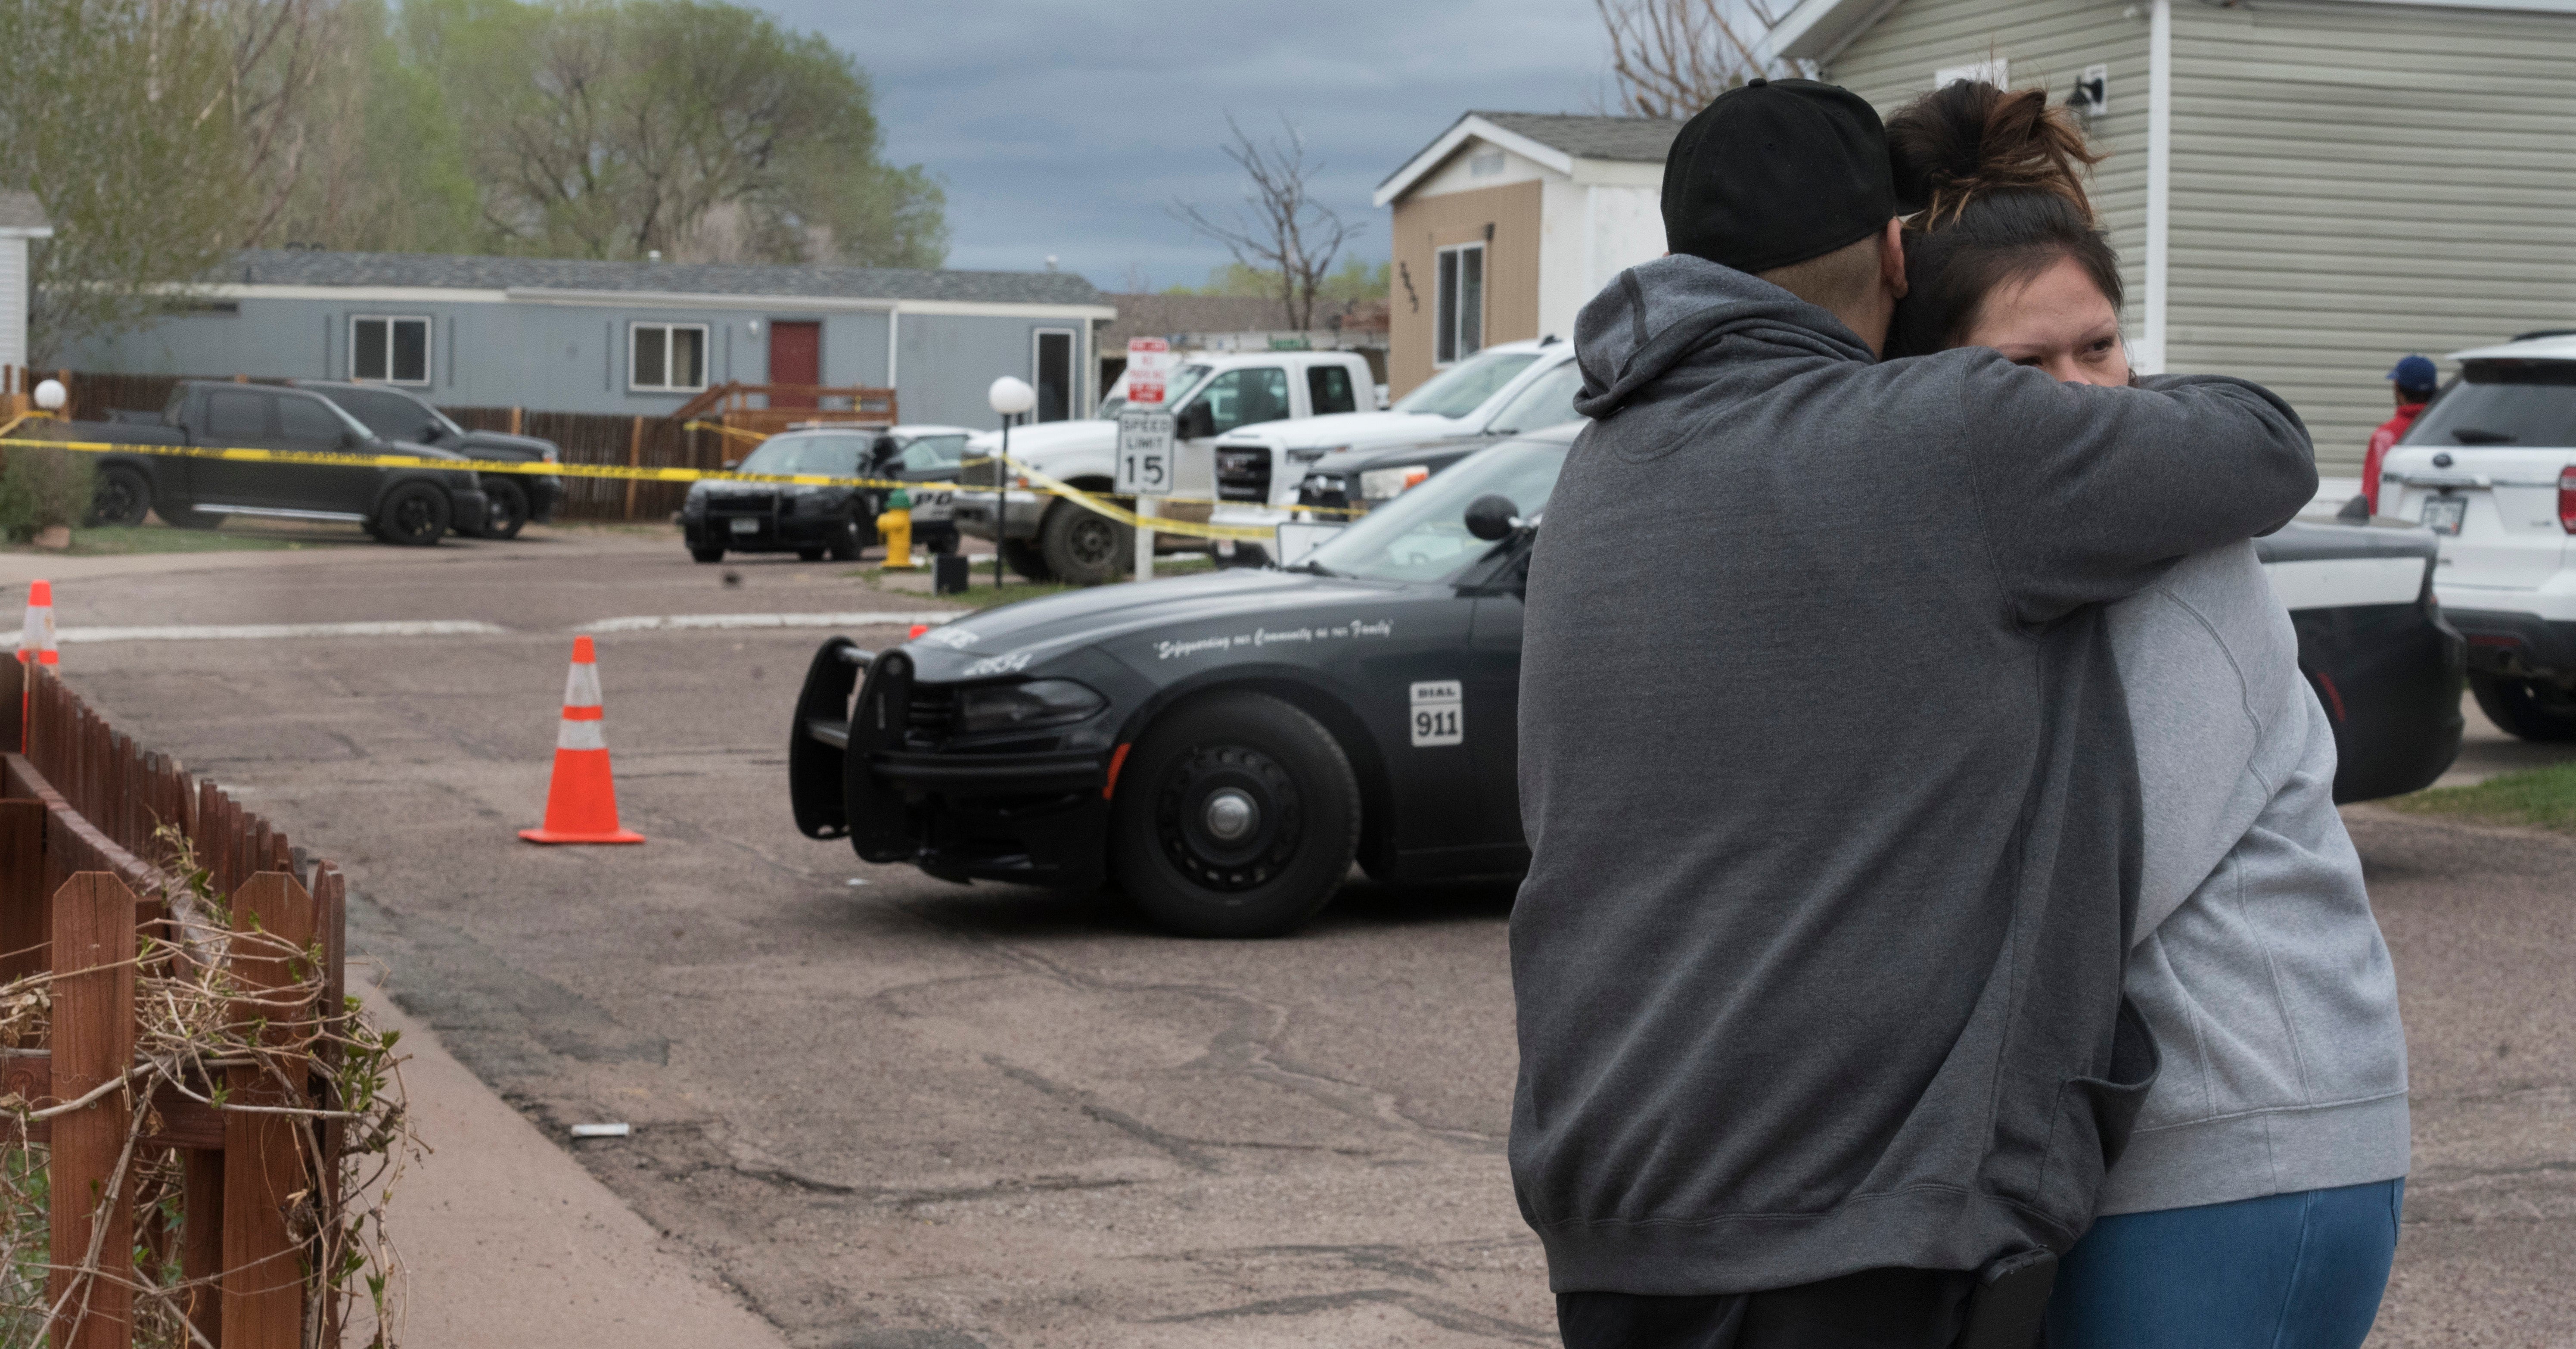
x: 2257, y: 1202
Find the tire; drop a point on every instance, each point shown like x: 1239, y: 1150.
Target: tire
x: 121, y: 497
x: 707, y: 554
x: 1297, y: 802
x: 508, y: 513
x: 415, y: 515
x: 177, y: 515
x: 845, y: 547
x: 1023, y: 557
x: 2527, y: 708
x: 1084, y: 548
x: 943, y: 544
x: 809, y: 554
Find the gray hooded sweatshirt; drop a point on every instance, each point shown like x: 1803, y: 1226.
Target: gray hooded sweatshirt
x: 2256, y: 962
x: 1829, y: 791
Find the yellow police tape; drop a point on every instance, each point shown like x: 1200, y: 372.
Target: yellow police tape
x: 1037, y: 481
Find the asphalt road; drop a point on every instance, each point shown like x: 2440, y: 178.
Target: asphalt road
x: 891, y: 1111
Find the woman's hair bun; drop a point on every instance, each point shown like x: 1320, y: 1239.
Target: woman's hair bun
x: 1970, y: 138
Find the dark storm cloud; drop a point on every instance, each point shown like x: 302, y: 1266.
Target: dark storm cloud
x: 1067, y: 128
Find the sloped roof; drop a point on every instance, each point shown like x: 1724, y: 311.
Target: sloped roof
x: 1641, y: 140
x: 19, y: 210
x: 1554, y: 139
x: 315, y: 267
x: 1146, y: 315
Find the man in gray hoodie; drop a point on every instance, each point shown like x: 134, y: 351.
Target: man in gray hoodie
x: 1825, y: 770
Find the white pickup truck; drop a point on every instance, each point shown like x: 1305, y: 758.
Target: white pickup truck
x: 1209, y: 394
x: 1509, y: 389
x: 2490, y: 467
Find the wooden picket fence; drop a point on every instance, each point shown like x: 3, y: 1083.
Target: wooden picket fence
x: 85, y: 877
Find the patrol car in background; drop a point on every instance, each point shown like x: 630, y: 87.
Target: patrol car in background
x: 1221, y: 747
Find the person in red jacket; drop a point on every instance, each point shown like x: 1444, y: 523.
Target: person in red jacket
x: 2415, y: 381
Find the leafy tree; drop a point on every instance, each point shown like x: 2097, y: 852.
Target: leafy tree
x: 119, y: 118
x: 680, y: 126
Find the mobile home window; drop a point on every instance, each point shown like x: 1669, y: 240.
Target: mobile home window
x: 1459, y: 306
x: 1054, y: 374
x: 668, y: 357
x: 388, y: 349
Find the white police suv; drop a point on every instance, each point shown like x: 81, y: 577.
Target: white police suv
x: 2490, y: 467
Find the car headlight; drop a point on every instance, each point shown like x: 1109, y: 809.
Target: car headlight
x: 1383, y: 484
x: 1011, y: 707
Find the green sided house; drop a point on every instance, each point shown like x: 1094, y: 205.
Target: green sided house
x: 2301, y: 190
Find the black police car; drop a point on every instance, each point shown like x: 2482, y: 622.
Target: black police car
x: 815, y: 522
x: 1222, y: 746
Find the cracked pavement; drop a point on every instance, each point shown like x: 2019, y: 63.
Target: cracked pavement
x: 903, y: 1113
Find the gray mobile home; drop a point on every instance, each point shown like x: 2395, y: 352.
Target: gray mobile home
x: 625, y: 337
x: 2301, y: 190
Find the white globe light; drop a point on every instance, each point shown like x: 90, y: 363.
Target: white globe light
x: 1010, y: 397
x: 51, y: 395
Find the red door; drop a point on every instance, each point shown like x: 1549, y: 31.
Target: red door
x: 795, y: 357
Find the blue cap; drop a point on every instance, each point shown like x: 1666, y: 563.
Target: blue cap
x: 2416, y: 374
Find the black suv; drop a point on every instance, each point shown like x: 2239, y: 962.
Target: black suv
x: 513, y: 499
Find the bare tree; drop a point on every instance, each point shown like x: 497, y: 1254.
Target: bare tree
x: 279, y: 49
x: 1286, y: 232
x: 1672, y: 58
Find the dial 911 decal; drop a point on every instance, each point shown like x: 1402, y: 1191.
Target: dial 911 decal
x: 1439, y: 714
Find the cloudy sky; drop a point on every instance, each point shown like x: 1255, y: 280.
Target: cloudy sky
x: 1067, y: 129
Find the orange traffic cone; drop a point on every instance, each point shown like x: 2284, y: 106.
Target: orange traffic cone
x: 35, y: 645
x: 581, y: 802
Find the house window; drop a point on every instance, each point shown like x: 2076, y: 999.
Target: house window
x: 1459, y: 305
x: 389, y: 350
x: 1054, y: 374
x: 667, y: 357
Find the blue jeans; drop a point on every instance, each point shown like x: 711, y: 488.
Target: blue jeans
x: 2288, y: 1271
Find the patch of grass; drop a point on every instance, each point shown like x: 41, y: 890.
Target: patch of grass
x: 2543, y: 798
x: 158, y: 539
x: 981, y: 593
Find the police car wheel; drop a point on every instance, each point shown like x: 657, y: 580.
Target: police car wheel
x: 1237, y: 817
x: 845, y: 545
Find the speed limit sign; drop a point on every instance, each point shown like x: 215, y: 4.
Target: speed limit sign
x: 1144, y: 453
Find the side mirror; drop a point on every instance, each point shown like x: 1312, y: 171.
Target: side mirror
x: 352, y: 440
x: 1196, y: 422
x: 1492, y: 517
x: 731, y: 464
x: 429, y: 433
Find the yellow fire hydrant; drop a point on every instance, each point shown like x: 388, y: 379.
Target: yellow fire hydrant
x: 895, y: 527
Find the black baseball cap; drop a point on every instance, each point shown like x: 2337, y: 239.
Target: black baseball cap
x: 1776, y: 172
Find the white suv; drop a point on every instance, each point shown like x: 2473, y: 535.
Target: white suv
x: 1507, y: 389
x: 2491, y: 467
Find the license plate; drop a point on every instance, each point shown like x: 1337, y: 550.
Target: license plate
x: 2442, y: 514
x: 744, y: 524
x: 933, y: 505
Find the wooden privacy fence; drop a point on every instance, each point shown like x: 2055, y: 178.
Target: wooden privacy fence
x: 194, y: 1194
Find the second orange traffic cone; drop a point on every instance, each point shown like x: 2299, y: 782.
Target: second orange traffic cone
x: 581, y: 801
